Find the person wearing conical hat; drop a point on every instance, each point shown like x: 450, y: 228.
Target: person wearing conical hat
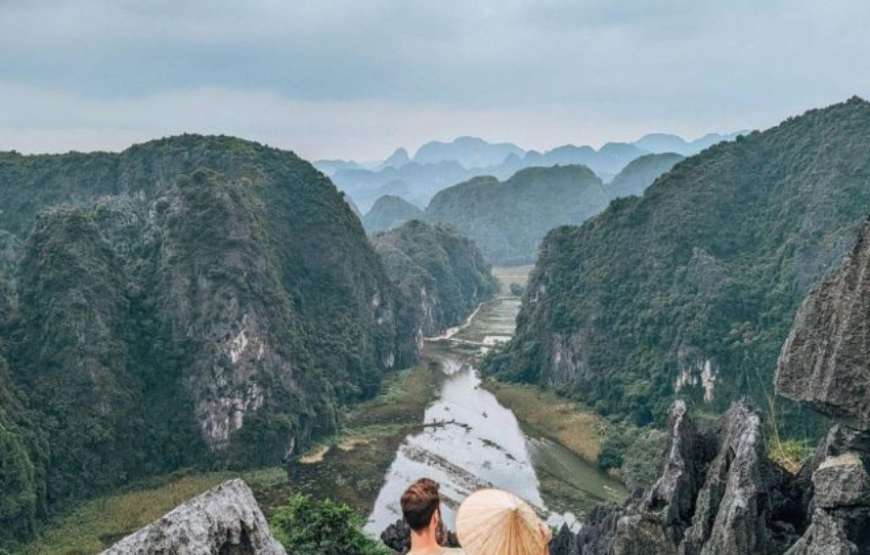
x: 495, y: 522
x: 421, y: 508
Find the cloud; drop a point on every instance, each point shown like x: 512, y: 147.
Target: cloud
x: 348, y: 77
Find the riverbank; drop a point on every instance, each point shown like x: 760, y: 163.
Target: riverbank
x: 350, y: 466
x: 563, y: 421
x: 579, y: 430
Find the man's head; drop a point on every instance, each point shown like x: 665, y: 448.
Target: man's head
x: 421, y: 505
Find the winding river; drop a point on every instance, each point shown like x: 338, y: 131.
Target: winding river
x: 471, y: 441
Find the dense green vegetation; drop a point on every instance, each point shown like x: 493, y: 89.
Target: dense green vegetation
x: 190, y: 301
x: 389, y: 212
x: 442, y: 276
x: 508, y: 219
x: 325, y: 527
x: 23, y: 448
x: 697, y: 283
x: 640, y: 173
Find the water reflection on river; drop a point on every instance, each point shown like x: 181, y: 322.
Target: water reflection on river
x: 471, y: 441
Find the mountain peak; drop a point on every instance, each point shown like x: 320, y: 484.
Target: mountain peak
x: 471, y: 152
x: 397, y: 159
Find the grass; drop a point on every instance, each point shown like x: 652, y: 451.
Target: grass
x: 557, y: 418
x: 97, y: 524
x: 791, y: 454
x: 403, y: 400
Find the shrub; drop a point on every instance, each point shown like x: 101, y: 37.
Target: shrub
x: 325, y: 527
x: 612, y: 450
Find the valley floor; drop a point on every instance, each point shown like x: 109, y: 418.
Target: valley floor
x: 350, y: 467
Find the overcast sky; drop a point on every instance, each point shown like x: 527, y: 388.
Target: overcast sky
x: 356, y: 78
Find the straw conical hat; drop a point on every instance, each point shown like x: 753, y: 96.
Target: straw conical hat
x: 495, y: 522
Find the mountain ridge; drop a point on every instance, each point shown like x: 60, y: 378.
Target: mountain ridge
x: 192, y: 301
x: 665, y: 295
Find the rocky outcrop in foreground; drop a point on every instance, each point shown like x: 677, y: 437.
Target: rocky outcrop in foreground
x: 826, y: 362
x: 719, y: 494
x: 225, y: 520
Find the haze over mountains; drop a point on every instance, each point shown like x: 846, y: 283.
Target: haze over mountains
x: 208, y: 301
x: 437, y: 165
x: 507, y: 219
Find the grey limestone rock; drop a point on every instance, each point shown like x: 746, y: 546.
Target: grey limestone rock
x: 826, y: 359
x: 225, y: 520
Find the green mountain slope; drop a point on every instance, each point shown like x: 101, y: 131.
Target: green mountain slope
x: 442, y: 275
x: 389, y: 212
x: 640, y: 173
x: 507, y: 220
x: 193, y: 300
x: 692, y: 288
x: 23, y: 449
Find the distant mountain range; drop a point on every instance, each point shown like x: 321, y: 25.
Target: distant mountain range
x: 437, y: 165
x: 389, y: 212
x: 507, y: 219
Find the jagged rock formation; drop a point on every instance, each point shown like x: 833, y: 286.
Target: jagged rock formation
x: 640, y: 173
x: 825, y: 359
x: 193, y: 300
x: 389, y: 212
x: 689, y: 291
x: 508, y: 219
x: 442, y: 276
x: 719, y: 494
x: 825, y: 362
x: 223, y: 521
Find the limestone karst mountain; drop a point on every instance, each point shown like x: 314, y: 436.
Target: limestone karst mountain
x: 690, y: 290
x: 389, y: 212
x: 718, y: 492
x: 508, y: 219
x: 660, y: 143
x: 640, y: 173
x: 442, y: 276
x: 331, y: 167
x: 470, y: 152
x: 438, y: 165
x: 192, y: 300
x: 396, y: 160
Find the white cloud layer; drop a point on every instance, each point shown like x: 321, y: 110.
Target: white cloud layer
x: 345, y: 78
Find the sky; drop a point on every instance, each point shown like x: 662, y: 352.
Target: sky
x: 355, y: 79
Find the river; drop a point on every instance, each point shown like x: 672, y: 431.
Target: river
x: 469, y: 440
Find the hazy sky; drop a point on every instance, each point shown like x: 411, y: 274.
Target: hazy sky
x: 356, y: 78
